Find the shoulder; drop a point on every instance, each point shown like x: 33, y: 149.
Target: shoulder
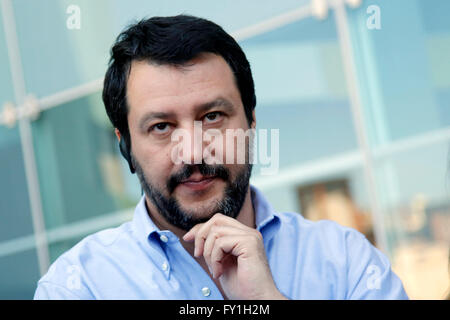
x: 95, y: 243
x: 364, y: 269
x: 327, y: 237
x: 67, y: 273
x: 327, y: 231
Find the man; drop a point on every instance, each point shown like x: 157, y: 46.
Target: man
x: 201, y: 231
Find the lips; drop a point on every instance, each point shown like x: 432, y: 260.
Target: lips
x: 196, y: 178
x: 197, y: 182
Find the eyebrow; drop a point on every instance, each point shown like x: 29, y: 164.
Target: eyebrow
x: 219, y: 102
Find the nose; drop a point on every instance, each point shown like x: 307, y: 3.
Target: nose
x: 193, y: 144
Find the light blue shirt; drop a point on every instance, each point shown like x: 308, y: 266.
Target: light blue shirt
x: 308, y: 260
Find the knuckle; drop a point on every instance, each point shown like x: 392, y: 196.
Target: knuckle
x: 214, y: 237
x: 219, y: 218
x: 214, y: 232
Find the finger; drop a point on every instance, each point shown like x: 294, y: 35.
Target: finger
x: 221, y: 219
x: 190, y: 235
x: 202, y: 234
x: 215, y: 233
x: 217, y: 220
x: 240, y: 246
x: 223, y: 247
x: 208, y: 246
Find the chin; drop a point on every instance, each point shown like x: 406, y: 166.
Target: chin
x: 203, y: 210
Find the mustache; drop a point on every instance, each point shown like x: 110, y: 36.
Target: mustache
x: 205, y: 169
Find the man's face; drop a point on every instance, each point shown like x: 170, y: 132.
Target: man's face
x: 164, y: 98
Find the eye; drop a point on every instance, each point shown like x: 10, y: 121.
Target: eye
x: 213, y: 117
x: 160, y: 128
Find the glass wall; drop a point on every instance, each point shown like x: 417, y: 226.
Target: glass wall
x: 403, y: 72
x: 307, y: 75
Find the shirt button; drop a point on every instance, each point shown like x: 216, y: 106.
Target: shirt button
x: 206, y: 291
x: 164, y: 238
x: 165, y: 266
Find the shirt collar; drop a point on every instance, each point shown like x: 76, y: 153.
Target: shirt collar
x: 142, y: 223
x: 266, y: 219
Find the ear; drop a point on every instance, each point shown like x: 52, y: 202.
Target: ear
x: 117, y: 132
x: 253, y: 124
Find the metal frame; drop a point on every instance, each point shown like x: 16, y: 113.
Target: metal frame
x: 358, y: 121
x: 26, y: 137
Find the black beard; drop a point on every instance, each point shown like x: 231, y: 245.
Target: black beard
x: 170, y: 209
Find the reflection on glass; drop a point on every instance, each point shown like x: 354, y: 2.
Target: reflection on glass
x: 14, y: 206
x: 300, y: 90
x: 416, y: 205
x: 80, y: 171
x: 333, y: 200
x: 403, y: 67
x: 59, y: 247
x: 18, y: 275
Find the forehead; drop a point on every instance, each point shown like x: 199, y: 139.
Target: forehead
x: 162, y: 86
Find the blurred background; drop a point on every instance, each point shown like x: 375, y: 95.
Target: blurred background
x: 360, y: 91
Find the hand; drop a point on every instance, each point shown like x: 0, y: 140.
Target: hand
x: 234, y: 254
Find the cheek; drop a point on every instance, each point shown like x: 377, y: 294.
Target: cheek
x: 155, y: 162
x: 236, y: 147
x: 234, y: 141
